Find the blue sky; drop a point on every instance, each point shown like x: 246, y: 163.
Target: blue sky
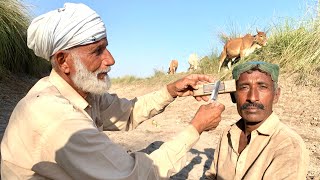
x: 144, y: 35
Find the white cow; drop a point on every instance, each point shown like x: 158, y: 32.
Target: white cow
x: 193, y: 62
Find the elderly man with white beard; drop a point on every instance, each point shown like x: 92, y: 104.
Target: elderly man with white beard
x: 56, y: 130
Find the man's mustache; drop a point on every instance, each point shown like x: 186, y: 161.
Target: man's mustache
x: 257, y: 105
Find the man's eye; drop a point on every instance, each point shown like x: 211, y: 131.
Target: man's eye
x: 243, y: 87
x: 99, y: 51
x: 263, y: 87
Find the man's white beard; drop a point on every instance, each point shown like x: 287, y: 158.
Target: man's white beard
x: 88, y: 81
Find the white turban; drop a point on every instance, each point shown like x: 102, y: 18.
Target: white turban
x: 73, y: 25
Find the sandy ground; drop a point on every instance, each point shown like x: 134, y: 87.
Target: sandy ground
x: 298, y: 108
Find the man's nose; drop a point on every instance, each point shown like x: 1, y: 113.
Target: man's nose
x: 108, y: 59
x: 253, y: 95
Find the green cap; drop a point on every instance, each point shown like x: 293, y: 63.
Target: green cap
x: 269, y: 68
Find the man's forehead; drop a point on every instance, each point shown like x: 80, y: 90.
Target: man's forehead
x: 102, y: 42
x: 255, y: 75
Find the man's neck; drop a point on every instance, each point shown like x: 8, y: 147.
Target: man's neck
x: 248, y: 127
x: 245, y: 136
x: 83, y: 94
x: 251, y: 126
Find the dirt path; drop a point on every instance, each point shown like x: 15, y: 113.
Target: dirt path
x: 298, y: 108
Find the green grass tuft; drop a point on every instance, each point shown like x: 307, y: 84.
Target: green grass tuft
x: 15, y: 56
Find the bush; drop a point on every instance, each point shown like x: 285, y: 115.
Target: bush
x: 15, y: 56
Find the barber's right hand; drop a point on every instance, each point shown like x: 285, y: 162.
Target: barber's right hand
x: 208, y: 116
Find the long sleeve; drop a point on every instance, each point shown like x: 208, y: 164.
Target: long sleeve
x: 171, y: 156
x: 211, y: 173
x: 90, y: 154
x: 122, y: 114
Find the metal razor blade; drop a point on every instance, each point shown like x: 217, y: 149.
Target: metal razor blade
x: 215, y: 90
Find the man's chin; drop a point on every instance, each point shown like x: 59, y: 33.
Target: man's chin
x: 252, y: 117
x: 97, y: 89
x: 98, y: 93
x: 100, y: 90
x: 91, y: 84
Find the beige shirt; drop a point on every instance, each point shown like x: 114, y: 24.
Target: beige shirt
x: 274, y: 152
x: 54, y: 133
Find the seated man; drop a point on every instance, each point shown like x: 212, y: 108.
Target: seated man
x: 259, y: 145
x: 56, y: 130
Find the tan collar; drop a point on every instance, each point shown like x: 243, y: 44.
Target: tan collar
x: 269, y: 125
x: 266, y: 128
x: 67, y: 91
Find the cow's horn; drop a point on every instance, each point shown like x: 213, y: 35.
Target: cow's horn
x: 267, y: 30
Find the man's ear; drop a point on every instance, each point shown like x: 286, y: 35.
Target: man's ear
x: 60, y: 59
x: 233, y: 98
x: 277, y: 95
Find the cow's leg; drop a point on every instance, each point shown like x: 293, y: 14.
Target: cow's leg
x: 222, y: 58
x: 191, y: 68
x: 229, y: 63
x: 237, y: 59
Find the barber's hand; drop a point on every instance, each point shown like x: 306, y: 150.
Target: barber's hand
x: 185, y: 86
x: 208, y: 116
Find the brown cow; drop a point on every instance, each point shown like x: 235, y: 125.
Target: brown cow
x: 173, y: 66
x: 241, y: 47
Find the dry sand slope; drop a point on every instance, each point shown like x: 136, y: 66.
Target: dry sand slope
x: 298, y: 107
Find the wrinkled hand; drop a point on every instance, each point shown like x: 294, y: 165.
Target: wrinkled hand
x: 185, y: 86
x: 208, y: 116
